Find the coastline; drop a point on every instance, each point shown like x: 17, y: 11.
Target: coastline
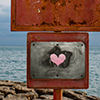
x: 13, y: 90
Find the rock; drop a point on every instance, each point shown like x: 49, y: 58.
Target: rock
x: 22, y: 89
x: 6, y: 84
x: 7, y: 90
x: 2, y: 94
x: 41, y: 99
x: 66, y: 98
x: 50, y: 97
x: 91, y: 97
x: 79, y: 92
x: 13, y: 97
x: 72, y: 95
x: 31, y: 95
x: 44, y: 91
x: 21, y: 83
x: 1, y: 97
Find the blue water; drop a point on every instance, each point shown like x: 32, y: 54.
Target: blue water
x: 13, y: 66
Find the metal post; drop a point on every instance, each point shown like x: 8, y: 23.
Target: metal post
x: 57, y: 94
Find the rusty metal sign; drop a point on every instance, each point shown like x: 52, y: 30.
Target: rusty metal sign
x: 57, y: 60
x: 55, y: 15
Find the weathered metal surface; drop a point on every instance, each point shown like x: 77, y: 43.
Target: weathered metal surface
x: 55, y: 15
x: 41, y: 46
x: 57, y: 60
x: 57, y: 94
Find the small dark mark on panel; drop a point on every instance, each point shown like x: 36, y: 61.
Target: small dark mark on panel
x: 44, y: 23
x: 33, y: 44
x: 64, y: 3
x: 69, y: 1
x: 52, y: 24
x: 72, y: 22
x: 32, y: 25
x: 44, y: 29
x: 80, y: 4
x: 46, y: 0
x: 81, y: 75
x: 80, y: 52
x: 75, y: 6
x: 57, y: 75
x: 57, y: 44
x: 36, y: 24
x: 59, y: 23
x: 33, y: 75
x: 55, y: 22
x: 84, y: 22
x: 13, y: 20
x: 43, y: 8
x: 53, y: 1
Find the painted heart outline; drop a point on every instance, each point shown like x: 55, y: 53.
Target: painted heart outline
x: 57, y: 60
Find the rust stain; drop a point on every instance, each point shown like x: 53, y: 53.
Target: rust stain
x: 54, y: 1
x: 27, y: 2
x: 72, y: 22
x: 63, y: 3
x: 45, y: 0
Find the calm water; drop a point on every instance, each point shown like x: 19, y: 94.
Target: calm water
x: 13, y: 66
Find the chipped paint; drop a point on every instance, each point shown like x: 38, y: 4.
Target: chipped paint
x: 39, y: 11
x: 35, y: 2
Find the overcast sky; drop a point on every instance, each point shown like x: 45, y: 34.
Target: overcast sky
x: 19, y: 38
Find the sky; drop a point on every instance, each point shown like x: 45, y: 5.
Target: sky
x: 19, y: 38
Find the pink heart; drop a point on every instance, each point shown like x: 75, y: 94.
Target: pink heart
x: 57, y: 60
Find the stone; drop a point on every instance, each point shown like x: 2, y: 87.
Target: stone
x: 66, y: 98
x: 2, y: 94
x: 41, y: 99
x: 91, y: 97
x: 72, y: 95
x: 50, y: 97
x: 44, y: 91
x: 13, y: 97
x: 6, y: 84
x: 21, y: 83
x: 7, y: 90
x: 22, y: 89
x: 31, y: 95
x: 1, y: 97
x: 79, y: 92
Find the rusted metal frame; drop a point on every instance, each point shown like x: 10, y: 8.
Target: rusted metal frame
x: 54, y: 83
x: 13, y: 19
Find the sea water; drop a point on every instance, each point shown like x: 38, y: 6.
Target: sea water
x: 13, y: 66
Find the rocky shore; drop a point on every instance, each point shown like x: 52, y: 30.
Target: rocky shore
x: 11, y: 90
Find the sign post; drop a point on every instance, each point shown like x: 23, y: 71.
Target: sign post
x: 57, y: 94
